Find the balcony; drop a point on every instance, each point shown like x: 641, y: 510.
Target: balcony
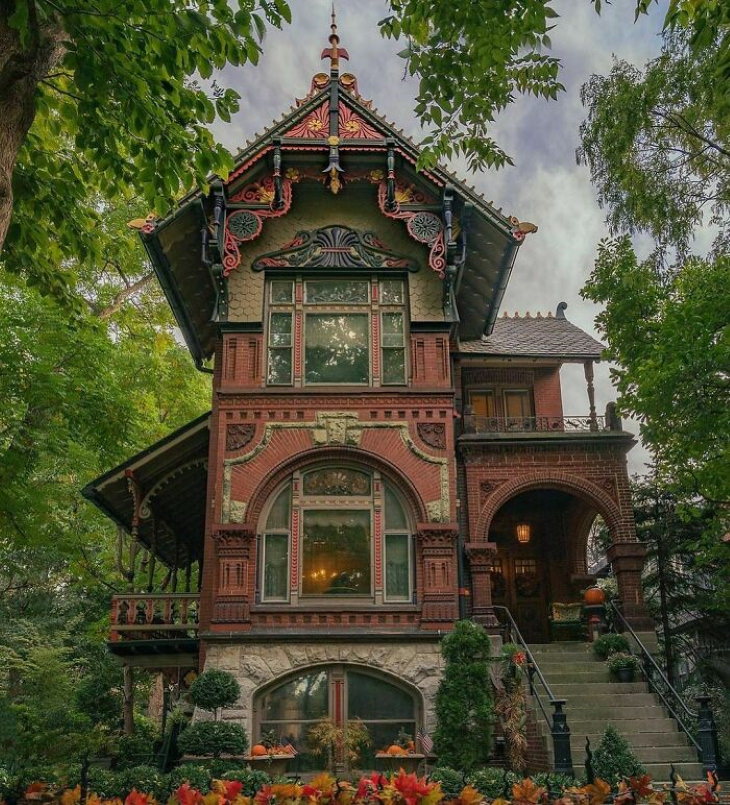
x: 154, y: 623
x: 537, y: 424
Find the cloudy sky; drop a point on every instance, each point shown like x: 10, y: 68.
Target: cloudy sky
x: 545, y: 186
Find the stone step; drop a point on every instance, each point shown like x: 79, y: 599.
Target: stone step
x: 626, y: 727
x: 617, y: 715
x: 660, y: 772
x: 590, y: 699
x: 638, y: 739
x: 563, y: 690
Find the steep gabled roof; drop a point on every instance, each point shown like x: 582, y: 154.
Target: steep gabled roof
x: 336, y: 138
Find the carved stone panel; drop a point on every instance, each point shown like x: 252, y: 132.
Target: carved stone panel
x: 239, y: 435
x: 432, y: 433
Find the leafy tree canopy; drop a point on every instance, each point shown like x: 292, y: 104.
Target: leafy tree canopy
x: 103, y: 98
x: 668, y: 336
x: 657, y: 142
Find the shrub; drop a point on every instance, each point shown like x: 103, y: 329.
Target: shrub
x: 493, y: 782
x: 613, y: 759
x: 252, y: 779
x: 136, y: 749
x: 108, y: 784
x: 463, y: 701
x: 608, y: 643
x: 452, y: 781
x: 194, y: 774
x: 554, y: 782
x: 213, y: 738
x: 214, y: 689
x: 145, y: 778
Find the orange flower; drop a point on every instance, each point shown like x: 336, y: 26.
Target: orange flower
x: 469, y: 796
x: 138, y: 798
x: 71, y: 796
x: 519, y: 658
x: 186, y: 795
x: 414, y: 790
x: 527, y: 792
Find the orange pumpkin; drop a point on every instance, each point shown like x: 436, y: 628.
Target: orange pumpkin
x: 259, y: 750
x: 594, y: 596
x: 394, y: 749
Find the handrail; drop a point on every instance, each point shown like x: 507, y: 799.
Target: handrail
x: 649, y: 664
x: 558, y: 724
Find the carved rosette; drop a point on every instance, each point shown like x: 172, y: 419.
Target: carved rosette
x: 353, y: 127
x: 243, y: 226
x: 423, y: 226
x: 432, y: 433
x: 315, y: 126
x: 239, y: 435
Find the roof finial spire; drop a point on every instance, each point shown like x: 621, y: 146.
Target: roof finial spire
x: 333, y: 52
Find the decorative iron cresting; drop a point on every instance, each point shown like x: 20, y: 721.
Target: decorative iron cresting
x: 335, y: 247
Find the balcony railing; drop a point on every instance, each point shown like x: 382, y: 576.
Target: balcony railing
x: 149, y: 616
x: 536, y: 424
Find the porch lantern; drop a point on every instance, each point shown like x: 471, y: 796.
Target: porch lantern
x: 523, y: 533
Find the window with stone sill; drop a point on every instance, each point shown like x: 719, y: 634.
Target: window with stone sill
x: 336, y: 532
x: 291, y: 708
x: 352, y: 331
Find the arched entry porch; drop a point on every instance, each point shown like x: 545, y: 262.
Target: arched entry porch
x: 539, y: 556
x: 556, y: 511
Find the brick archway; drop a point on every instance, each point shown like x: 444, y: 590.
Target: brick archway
x: 580, y: 487
x: 336, y: 455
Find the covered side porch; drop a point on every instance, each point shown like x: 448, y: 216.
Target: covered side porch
x: 157, y: 499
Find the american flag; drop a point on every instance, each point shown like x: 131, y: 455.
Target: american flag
x: 425, y: 741
x: 289, y: 747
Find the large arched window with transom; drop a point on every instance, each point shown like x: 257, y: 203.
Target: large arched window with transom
x: 336, y: 532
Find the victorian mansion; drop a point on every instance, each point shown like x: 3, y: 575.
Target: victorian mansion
x: 385, y: 453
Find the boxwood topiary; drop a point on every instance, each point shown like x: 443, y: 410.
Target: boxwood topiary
x: 214, y: 738
x: 613, y: 759
x: 214, y: 689
x: 195, y: 775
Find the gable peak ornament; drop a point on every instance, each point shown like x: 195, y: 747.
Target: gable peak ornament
x: 334, y: 53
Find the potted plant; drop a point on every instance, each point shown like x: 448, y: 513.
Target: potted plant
x: 623, y: 665
x: 338, y: 745
x: 609, y: 643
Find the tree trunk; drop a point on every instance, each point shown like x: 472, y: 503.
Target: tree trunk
x: 22, y: 67
x: 128, y: 700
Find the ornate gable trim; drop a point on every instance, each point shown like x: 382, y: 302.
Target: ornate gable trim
x: 335, y: 247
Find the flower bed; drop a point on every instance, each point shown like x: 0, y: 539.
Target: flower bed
x: 395, y: 789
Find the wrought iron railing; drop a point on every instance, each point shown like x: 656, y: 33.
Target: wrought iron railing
x: 537, y: 424
x: 556, y: 721
x: 137, y: 616
x: 699, y: 727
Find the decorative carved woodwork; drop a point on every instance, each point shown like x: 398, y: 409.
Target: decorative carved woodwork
x: 354, y: 127
x: 335, y: 247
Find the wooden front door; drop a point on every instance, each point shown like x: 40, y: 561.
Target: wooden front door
x: 519, y: 583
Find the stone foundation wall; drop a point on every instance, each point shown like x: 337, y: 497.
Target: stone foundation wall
x: 256, y: 665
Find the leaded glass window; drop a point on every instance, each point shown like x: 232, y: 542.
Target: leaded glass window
x: 336, y: 321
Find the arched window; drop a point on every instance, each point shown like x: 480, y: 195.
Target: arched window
x: 339, y: 692
x: 336, y: 531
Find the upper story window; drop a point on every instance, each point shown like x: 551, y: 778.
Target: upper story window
x: 336, y: 332
x: 336, y: 531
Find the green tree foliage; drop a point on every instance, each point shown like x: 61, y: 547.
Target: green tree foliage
x: 657, y: 143
x: 686, y: 579
x: 463, y: 701
x: 658, y: 146
x: 667, y: 333
x: 213, y: 689
x: 101, y: 96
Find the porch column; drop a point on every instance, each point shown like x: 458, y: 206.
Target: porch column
x: 588, y: 371
x: 627, y: 561
x: 480, y: 556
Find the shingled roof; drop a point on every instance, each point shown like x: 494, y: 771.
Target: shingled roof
x: 536, y: 337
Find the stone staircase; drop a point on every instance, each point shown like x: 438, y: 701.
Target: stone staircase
x: 594, y: 700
